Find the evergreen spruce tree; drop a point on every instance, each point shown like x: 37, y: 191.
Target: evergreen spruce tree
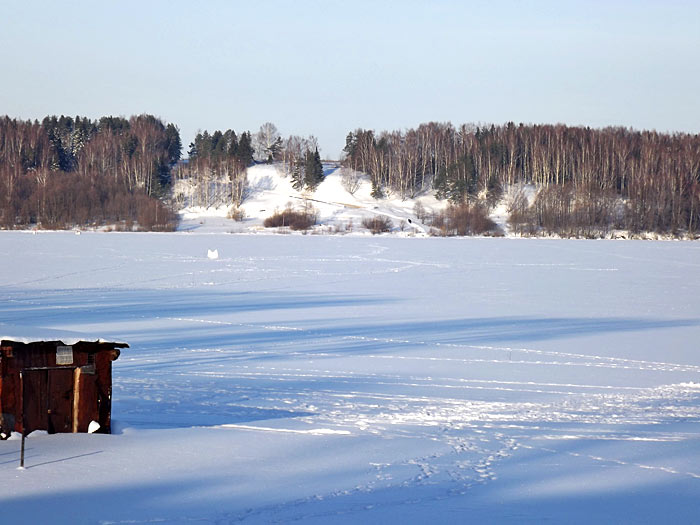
x: 313, y: 170
x: 233, y: 145
x: 318, y: 168
x: 173, y: 143
x: 192, y: 151
x: 203, y: 143
x: 274, y: 150
x: 245, y: 149
x: 350, y: 145
x: 377, y: 192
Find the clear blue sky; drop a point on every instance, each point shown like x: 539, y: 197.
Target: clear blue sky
x: 328, y: 67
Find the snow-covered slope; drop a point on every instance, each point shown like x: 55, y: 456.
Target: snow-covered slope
x: 342, y: 212
x: 339, y: 211
x: 340, y: 379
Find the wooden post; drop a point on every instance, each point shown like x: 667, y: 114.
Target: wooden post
x: 76, y: 399
x: 21, y: 395
x: 21, y: 453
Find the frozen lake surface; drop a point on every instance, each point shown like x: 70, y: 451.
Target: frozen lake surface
x: 367, y: 380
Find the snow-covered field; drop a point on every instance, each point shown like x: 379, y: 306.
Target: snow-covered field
x: 367, y: 379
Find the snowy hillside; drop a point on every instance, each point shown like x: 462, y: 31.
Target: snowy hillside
x: 341, y: 379
x: 339, y: 211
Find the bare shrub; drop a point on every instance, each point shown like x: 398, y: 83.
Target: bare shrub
x: 438, y: 221
x: 378, y: 224
x: 152, y: 215
x: 419, y: 211
x: 296, y: 220
x: 343, y: 227
x: 351, y: 180
x: 237, y: 214
x: 518, y: 211
x: 463, y: 219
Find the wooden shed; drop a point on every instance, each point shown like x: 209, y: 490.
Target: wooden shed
x: 55, y: 382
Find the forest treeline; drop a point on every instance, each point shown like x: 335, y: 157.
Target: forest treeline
x: 592, y: 179
x: 64, y: 171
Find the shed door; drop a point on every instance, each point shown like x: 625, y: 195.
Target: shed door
x: 48, y: 400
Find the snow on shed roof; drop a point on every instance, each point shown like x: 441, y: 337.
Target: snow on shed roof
x: 37, y: 334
